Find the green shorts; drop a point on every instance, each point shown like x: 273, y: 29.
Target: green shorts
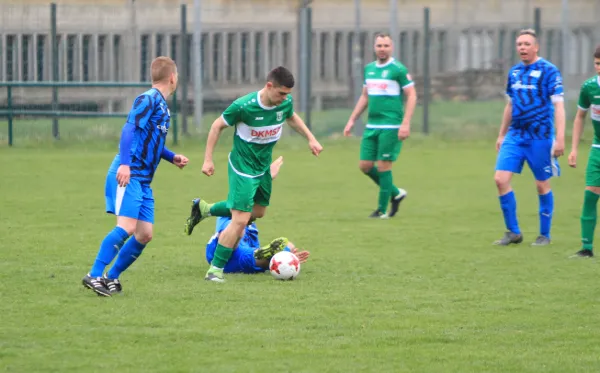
x: 245, y: 192
x: 380, y: 145
x: 592, y: 172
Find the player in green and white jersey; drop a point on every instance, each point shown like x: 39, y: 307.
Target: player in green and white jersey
x: 386, y: 83
x: 589, y: 98
x: 258, y: 119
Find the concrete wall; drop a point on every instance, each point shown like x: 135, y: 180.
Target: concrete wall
x: 114, y: 40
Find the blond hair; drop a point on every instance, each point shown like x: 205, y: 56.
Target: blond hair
x: 161, y: 69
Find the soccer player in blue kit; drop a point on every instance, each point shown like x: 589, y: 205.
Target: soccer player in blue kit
x: 534, y: 106
x: 127, y: 190
x: 249, y: 257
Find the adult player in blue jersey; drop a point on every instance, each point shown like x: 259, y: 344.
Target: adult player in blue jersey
x: 534, y: 107
x: 127, y: 191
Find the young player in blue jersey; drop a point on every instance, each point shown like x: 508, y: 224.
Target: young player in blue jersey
x: 127, y: 191
x: 534, y: 107
x: 249, y: 257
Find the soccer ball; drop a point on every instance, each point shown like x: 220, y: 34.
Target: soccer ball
x: 284, y: 266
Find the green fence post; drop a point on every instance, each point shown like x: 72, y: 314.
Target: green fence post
x: 54, y: 42
x: 174, y: 116
x: 537, y: 21
x: 10, y: 117
x: 183, y: 70
x: 426, y: 77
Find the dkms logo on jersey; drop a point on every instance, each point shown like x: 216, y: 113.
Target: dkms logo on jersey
x: 377, y: 85
x: 266, y: 133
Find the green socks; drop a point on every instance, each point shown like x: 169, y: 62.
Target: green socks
x: 222, y: 255
x: 385, y: 190
x: 220, y: 209
x: 374, y: 175
x: 588, y: 219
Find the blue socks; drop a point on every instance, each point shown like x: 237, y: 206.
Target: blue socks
x: 508, y: 203
x: 109, y: 248
x: 546, y: 210
x: 128, y: 254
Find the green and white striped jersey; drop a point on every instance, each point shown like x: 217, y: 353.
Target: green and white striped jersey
x: 257, y: 130
x: 384, y: 85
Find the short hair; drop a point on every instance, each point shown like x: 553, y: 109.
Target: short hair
x: 530, y: 32
x: 161, y: 69
x: 597, y: 51
x: 382, y: 35
x: 280, y: 76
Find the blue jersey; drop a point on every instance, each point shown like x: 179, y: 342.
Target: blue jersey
x: 151, y: 117
x: 532, y: 89
x: 242, y: 259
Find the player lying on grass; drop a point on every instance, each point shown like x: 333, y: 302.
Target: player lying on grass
x: 249, y: 257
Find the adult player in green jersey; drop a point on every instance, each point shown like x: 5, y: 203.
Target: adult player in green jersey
x: 258, y: 119
x: 386, y: 83
x: 589, y: 98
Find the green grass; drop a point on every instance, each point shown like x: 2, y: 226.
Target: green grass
x: 423, y: 292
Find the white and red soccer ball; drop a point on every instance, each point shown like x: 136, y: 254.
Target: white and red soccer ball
x: 284, y: 266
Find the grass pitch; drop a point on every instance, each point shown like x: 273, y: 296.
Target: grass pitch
x: 423, y: 292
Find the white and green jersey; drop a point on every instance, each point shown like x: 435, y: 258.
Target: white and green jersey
x: 257, y: 129
x: 384, y: 85
x: 589, y: 97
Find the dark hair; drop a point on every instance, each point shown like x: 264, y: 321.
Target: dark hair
x: 280, y: 76
x: 597, y: 51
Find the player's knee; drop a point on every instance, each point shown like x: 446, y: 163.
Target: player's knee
x: 238, y: 225
x: 365, y: 167
x: 593, y: 189
x: 501, y: 181
x: 257, y: 214
x: 542, y: 187
x: 127, y: 227
x: 384, y: 166
x: 143, y: 237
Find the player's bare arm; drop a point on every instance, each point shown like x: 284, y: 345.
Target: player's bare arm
x: 577, y: 131
x: 299, y: 126
x: 208, y: 168
x: 506, y: 118
x: 411, y: 102
x: 361, y: 105
x: 559, y: 120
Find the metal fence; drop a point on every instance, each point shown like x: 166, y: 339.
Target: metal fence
x: 225, y: 48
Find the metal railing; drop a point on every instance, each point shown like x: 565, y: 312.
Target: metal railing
x: 55, y: 113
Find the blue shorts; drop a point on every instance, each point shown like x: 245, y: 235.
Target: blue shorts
x: 133, y: 201
x: 537, y: 153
